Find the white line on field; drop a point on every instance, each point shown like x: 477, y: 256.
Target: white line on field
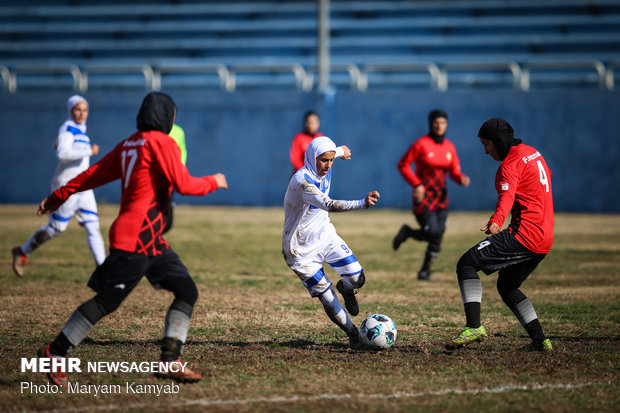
x: 293, y: 399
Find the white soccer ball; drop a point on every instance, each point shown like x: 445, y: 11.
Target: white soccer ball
x: 378, y: 332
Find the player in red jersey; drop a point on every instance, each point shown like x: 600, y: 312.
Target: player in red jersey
x: 302, y: 139
x: 523, y: 184
x: 148, y: 163
x: 435, y: 158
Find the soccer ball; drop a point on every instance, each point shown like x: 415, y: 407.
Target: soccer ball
x: 378, y: 332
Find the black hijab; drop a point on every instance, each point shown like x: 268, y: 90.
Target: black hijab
x: 156, y: 113
x: 437, y: 113
x: 498, y: 131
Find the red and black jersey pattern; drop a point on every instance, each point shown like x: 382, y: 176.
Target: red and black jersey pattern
x: 150, y: 240
x: 435, y: 195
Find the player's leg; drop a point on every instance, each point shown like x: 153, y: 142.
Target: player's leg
x: 113, y: 281
x: 341, y: 259
x: 310, y: 273
x: 471, y: 294
x: 407, y: 232
x: 434, y: 226
x: 168, y: 272
x: 58, y: 222
x: 508, y: 283
x: 88, y: 217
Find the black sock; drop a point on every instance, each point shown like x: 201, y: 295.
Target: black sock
x: 472, y: 313
x: 534, y: 329
x: 171, y: 349
x: 61, y: 345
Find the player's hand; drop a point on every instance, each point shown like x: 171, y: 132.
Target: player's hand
x: 465, y: 180
x: 347, y: 152
x: 372, y: 198
x: 95, y: 148
x: 491, y: 228
x: 220, y: 178
x: 45, y: 207
x: 418, y: 193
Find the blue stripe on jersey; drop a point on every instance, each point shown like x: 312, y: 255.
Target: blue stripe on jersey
x: 312, y: 181
x: 351, y: 274
x: 81, y: 141
x: 60, y: 218
x: 315, y: 279
x: 345, y: 261
x: 86, y: 211
x: 74, y: 130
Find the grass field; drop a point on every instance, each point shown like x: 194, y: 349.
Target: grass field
x: 264, y: 345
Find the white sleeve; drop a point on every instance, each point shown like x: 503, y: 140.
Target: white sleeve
x: 339, y: 152
x: 313, y: 196
x: 66, y: 151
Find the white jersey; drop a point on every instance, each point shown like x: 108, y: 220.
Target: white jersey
x: 306, y: 220
x: 73, y: 150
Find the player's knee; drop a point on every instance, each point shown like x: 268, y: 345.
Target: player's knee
x: 94, y: 309
x: 45, y: 234
x: 352, y: 282
x: 466, y: 267
x: 185, y: 290
x: 92, y: 228
x: 510, y: 295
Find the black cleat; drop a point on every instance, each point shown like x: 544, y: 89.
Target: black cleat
x: 350, y: 302
x: 424, y: 275
x: 400, y: 237
x: 355, y: 341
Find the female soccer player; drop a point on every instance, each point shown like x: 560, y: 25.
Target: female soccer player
x: 303, y: 139
x: 148, y: 163
x: 523, y: 184
x: 310, y: 239
x: 73, y: 150
x: 435, y: 157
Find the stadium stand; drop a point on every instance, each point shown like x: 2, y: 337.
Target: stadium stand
x: 233, y: 45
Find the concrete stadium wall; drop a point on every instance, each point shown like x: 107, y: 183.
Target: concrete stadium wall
x: 247, y: 135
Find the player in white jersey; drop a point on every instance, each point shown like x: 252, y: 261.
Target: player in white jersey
x: 73, y: 150
x: 309, y: 238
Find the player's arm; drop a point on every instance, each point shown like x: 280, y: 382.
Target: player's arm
x: 106, y: 170
x: 313, y: 196
x: 404, y: 166
x: 168, y: 158
x: 66, y: 151
x: 506, y: 183
x: 296, y: 154
x: 455, y: 171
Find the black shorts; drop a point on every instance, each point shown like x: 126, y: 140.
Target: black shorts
x: 502, y: 252
x: 121, y: 272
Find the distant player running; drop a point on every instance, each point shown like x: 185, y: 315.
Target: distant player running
x: 148, y: 163
x: 435, y: 158
x: 523, y: 184
x: 310, y: 239
x: 73, y: 150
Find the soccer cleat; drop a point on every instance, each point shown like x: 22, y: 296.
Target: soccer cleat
x: 58, y: 378
x: 355, y: 341
x: 424, y: 275
x: 467, y: 336
x: 350, y: 302
x: 543, y: 346
x: 400, y: 237
x: 184, y: 375
x: 19, y: 261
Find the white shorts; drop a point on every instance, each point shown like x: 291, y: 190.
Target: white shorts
x: 310, y: 269
x: 81, y: 204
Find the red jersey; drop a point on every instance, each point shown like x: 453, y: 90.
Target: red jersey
x: 149, y: 167
x: 298, y: 148
x: 523, y: 184
x: 433, y: 161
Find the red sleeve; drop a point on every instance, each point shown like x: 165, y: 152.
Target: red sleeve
x: 168, y: 156
x: 404, y: 165
x: 506, y: 182
x: 455, y: 167
x: 297, y: 152
x: 106, y: 170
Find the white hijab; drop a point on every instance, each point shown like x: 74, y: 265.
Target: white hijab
x: 317, y: 147
x: 71, y: 102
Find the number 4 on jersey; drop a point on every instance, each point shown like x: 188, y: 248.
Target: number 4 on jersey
x: 543, y: 176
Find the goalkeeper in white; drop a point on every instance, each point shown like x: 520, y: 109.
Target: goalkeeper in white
x: 310, y: 239
x: 73, y: 150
